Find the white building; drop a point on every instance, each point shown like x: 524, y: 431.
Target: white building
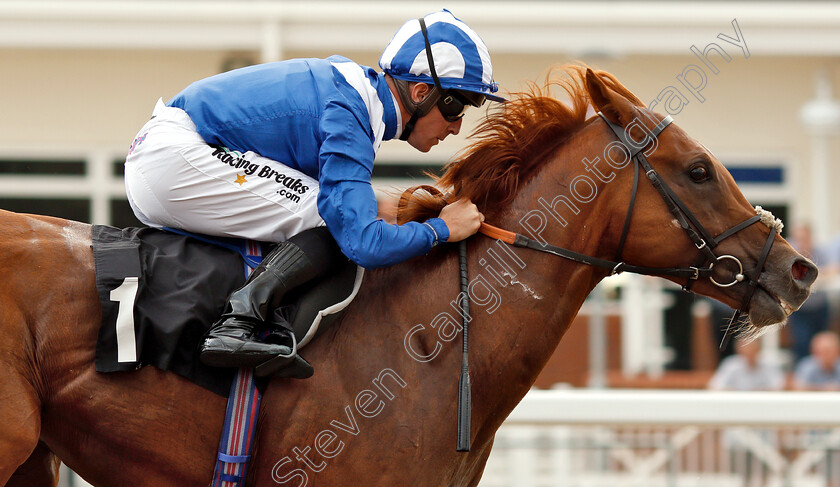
x: 81, y: 77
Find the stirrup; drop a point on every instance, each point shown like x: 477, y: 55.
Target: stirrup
x: 297, y: 368
x: 281, y: 360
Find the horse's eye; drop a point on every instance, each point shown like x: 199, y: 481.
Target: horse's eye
x: 699, y: 174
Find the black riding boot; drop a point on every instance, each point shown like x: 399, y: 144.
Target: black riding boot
x: 231, y: 340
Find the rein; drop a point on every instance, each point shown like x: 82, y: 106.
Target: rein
x: 519, y: 240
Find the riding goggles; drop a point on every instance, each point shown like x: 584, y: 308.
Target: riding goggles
x: 453, y: 103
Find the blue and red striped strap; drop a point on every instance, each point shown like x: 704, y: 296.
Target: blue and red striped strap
x: 241, y: 416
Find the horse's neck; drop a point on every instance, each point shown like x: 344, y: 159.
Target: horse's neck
x: 522, y: 302
x: 511, y: 345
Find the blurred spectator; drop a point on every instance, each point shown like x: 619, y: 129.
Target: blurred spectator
x: 813, y: 316
x: 820, y: 371
x: 830, y: 254
x: 744, y: 371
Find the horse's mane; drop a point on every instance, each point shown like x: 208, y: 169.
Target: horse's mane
x: 509, y: 146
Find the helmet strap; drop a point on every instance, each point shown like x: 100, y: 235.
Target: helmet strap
x: 429, y: 57
x: 425, y: 106
x: 417, y: 109
x: 409, y: 126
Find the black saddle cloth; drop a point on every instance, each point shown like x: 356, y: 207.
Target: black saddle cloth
x: 182, y: 287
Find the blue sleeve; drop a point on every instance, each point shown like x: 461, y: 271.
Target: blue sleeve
x: 803, y: 373
x: 347, y: 203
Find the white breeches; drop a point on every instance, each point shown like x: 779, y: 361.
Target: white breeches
x: 173, y: 178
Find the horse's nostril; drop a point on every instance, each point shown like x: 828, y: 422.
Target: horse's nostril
x: 803, y: 271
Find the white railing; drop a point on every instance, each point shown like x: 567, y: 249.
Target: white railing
x: 585, y: 438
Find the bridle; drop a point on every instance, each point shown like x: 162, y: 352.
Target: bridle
x: 698, y: 234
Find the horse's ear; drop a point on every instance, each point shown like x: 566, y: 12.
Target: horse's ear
x: 615, y: 107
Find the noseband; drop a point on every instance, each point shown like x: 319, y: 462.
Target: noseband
x: 698, y: 234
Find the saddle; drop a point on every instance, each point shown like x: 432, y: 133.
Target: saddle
x: 160, y: 292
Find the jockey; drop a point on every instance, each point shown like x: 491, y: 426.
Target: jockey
x: 283, y: 152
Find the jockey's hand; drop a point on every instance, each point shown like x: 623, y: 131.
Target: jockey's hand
x: 462, y: 218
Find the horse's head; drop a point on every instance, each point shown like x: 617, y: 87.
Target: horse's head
x: 699, y: 197
x: 687, y: 214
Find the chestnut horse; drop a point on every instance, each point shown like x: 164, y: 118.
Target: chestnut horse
x: 381, y: 407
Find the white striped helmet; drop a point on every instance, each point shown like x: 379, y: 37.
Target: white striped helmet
x: 461, y: 58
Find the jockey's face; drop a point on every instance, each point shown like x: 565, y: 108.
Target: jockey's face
x: 431, y: 129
